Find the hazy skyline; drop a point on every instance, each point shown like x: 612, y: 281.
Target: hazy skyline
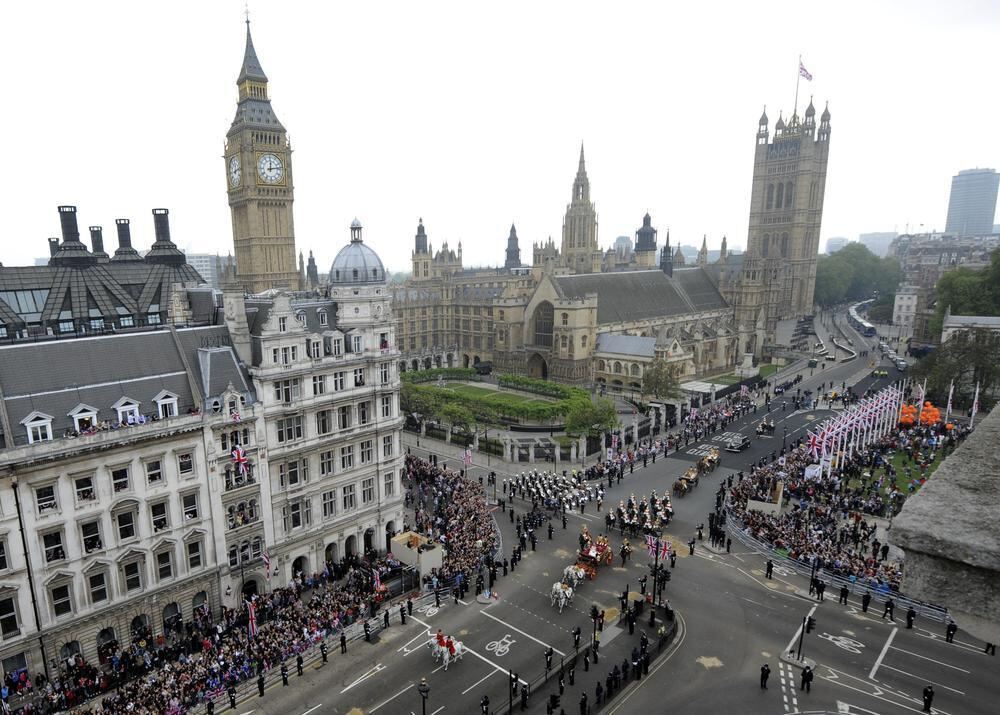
x: 472, y: 116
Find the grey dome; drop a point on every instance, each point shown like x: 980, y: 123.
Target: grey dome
x: 356, y: 263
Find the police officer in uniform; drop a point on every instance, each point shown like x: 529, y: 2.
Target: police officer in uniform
x: 343, y: 642
x: 322, y: 650
x: 232, y: 696
x: 260, y: 684
x: 284, y: 674
x: 298, y: 664
x: 368, y: 632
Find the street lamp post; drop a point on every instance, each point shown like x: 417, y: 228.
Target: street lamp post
x: 424, y: 689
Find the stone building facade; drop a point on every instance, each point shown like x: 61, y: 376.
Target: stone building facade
x: 778, y: 274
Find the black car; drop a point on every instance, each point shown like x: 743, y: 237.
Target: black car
x: 738, y: 444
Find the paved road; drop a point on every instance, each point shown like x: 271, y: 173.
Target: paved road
x: 731, y: 621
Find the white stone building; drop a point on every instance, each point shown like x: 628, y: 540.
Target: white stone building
x: 904, y: 307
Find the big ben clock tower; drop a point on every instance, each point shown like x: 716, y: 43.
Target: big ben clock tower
x: 259, y: 179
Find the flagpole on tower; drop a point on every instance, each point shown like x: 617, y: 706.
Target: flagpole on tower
x: 798, y: 78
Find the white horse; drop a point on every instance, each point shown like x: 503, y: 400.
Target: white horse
x: 448, y: 657
x: 562, y: 595
x: 574, y: 575
x: 437, y: 651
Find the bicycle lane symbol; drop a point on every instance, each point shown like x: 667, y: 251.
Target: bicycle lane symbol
x: 500, y: 647
x: 428, y: 609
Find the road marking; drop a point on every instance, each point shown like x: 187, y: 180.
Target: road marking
x: 438, y: 710
x: 526, y: 635
x: 752, y: 601
x: 315, y: 707
x: 917, y: 655
x: 488, y: 675
x: 921, y: 678
x: 384, y: 702
x: 377, y: 669
x: 885, y: 649
x: 879, y: 694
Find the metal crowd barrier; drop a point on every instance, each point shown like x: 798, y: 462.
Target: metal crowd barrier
x: 903, y: 603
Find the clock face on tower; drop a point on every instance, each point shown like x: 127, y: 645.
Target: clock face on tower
x: 270, y: 168
x: 234, y: 172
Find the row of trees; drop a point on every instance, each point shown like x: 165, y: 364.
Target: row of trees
x: 854, y: 273
x: 969, y: 358
x: 968, y: 292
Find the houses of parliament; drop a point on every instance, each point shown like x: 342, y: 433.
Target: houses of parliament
x: 577, y: 314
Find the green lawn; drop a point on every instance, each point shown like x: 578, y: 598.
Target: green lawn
x: 728, y: 379
x: 768, y: 370
x: 474, y: 391
x: 902, y: 484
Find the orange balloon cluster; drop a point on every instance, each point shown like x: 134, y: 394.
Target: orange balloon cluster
x: 928, y: 416
x: 908, y: 415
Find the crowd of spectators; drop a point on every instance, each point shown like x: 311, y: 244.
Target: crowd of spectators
x: 452, y: 511
x: 204, y: 657
x: 831, y: 514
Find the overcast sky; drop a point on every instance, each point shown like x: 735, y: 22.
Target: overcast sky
x: 471, y: 115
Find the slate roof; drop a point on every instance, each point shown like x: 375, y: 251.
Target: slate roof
x: 53, y: 377
x: 618, y: 344
x: 641, y: 295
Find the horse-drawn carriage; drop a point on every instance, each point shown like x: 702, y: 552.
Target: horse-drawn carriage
x: 709, y: 462
x: 687, y: 482
x: 593, y: 552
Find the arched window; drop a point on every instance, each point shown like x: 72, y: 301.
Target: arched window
x: 765, y: 244
x: 770, y: 196
x: 583, y: 341
x: 565, y: 319
x: 788, y: 194
x: 601, y: 366
x: 634, y: 370
x: 781, y: 193
x: 618, y: 368
x: 563, y: 342
x: 544, y: 316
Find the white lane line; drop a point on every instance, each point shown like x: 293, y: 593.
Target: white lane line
x: 798, y: 630
x: 315, y: 707
x: 917, y: 655
x: 885, y: 649
x: 526, y: 635
x: 377, y: 669
x: 488, y: 675
x: 921, y: 678
x: 438, y: 710
x: 384, y: 702
x: 406, y: 645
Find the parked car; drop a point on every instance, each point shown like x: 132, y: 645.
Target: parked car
x: 901, y: 365
x: 738, y: 444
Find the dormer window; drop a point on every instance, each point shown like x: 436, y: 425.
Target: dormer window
x: 39, y: 426
x: 166, y: 404
x: 84, y: 417
x: 282, y: 324
x: 301, y: 317
x: 323, y: 318
x: 128, y: 411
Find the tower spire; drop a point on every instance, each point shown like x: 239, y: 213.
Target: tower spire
x: 251, y: 68
x: 582, y: 170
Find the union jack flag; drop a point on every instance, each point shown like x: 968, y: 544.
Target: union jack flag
x: 814, y: 444
x: 251, y: 618
x: 240, y: 460
x: 803, y: 72
x: 693, y: 414
x: 267, y: 565
x: 744, y: 390
x: 467, y: 457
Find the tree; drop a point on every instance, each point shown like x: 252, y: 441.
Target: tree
x: 418, y: 399
x: 660, y: 380
x: 968, y: 292
x: 968, y: 358
x: 854, y: 273
x: 457, y: 415
x: 591, y: 417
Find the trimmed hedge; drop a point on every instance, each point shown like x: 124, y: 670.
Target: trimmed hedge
x: 538, y: 387
x: 448, y: 373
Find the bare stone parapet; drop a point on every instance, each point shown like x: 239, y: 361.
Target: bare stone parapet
x: 949, y: 532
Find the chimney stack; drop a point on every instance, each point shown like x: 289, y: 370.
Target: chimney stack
x: 67, y: 217
x: 124, y: 233
x: 97, y: 239
x: 53, y: 246
x: 162, y: 225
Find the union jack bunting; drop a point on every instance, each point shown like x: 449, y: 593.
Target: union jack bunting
x: 240, y: 460
x: 251, y: 619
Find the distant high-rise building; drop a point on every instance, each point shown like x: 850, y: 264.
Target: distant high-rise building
x: 835, y: 243
x: 973, y: 203
x: 878, y: 243
x: 207, y: 265
x: 623, y: 247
